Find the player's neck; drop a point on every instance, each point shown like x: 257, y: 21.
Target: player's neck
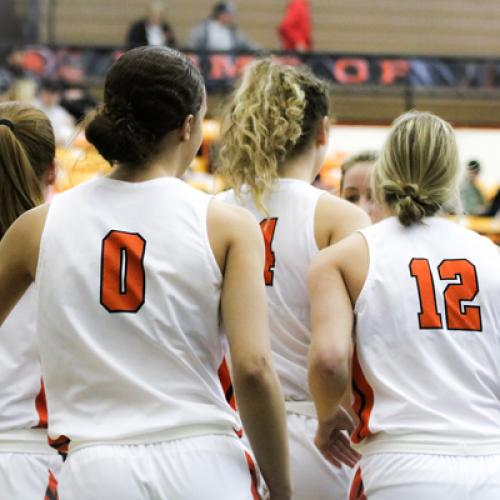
x: 302, y: 167
x: 167, y: 165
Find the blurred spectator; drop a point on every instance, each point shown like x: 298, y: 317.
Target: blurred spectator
x: 152, y: 30
x: 220, y: 32
x: 295, y: 28
x: 48, y: 100
x: 472, y: 198
x: 14, y: 63
x: 77, y: 100
x: 6, y: 82
x: 15, y: 82
x: 23, y: 89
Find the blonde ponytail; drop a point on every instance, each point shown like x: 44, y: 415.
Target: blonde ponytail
x: 417, y: 173
x: 27, y: 149
x: 272, y: 117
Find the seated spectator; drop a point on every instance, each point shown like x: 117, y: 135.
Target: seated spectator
x: 48, y: 100
x: 472, y: 198
x: 219, y: 32
x: 152, y: 30
x: 295, y: 28
x: 355, y: 183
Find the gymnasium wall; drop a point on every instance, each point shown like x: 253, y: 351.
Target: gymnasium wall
x: 442, y: 27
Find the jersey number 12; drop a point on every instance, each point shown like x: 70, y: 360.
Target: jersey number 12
x: 458, y: 316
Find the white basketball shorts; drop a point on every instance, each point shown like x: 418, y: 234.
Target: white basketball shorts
x: 392, y: 476
x: 29, y: 476
x: 197, y: 468
x: 313, y: 477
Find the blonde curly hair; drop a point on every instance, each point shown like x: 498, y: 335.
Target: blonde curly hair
x: 273, y: 116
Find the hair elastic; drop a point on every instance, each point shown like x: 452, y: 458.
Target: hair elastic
x: 7, y: 123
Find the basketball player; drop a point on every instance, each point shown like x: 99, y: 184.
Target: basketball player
x: 274, y: 145
x: 355, y: 183
x: 424, y: 293
x: 28, y: 465
x: 132, y: 270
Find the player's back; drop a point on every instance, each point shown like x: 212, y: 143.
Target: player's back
x: 426, y: 374
x: 288, y: 229
x: 129, y: 313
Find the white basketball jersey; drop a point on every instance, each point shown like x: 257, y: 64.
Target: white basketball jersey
x: 128, y: 315
x: 22, y: 398
x: 288, y: 230
x: 426, y: 369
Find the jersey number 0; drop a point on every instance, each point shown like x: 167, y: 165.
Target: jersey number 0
x: 123, y: 279
x: 458, y: 316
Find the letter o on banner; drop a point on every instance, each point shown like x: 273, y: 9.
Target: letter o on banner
x: 351, y: 71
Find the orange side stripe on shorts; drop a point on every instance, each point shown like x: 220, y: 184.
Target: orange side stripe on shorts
x: 51, y: 493
x: 357, y: 487
x: 363, y: 400
x: 253, y: 474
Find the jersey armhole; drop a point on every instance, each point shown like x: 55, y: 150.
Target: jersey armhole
x: 40, y: 263
x: 312, y: 226
x: 212, y: 262
x: 368, y: 280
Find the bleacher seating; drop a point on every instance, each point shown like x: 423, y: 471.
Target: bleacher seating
x: 447, y: 27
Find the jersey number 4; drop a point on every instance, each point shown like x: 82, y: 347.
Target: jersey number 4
x: 123, y: 279
x: 458, y: 315
x: 268, y: 227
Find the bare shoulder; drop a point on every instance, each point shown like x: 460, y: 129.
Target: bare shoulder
x: 348, y: 257
x: 229, y: 225
x: 23, y: 237
x: 29, y: 226
x: 338, y: 218
x: 230, y: 219
x: 341, y: 254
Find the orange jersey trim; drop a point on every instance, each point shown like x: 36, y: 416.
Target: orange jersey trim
x: 61, y: 444
x: 363, y: 400
x: 227, y: 384
x: 41, y: 407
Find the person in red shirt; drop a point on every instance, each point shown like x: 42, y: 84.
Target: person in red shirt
x: 295, y: 28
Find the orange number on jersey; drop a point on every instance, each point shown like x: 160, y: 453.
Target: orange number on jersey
x: 428, y: 318
x: 461, y: 317
x: 268, y: 227
x: 123, y: 280
x: 458, y: 317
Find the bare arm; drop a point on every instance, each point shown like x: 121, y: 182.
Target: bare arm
x: 18, y: 257
x: 332, y: 320
x: 244, y: 313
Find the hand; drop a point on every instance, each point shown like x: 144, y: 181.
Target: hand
x: 333, y: 444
